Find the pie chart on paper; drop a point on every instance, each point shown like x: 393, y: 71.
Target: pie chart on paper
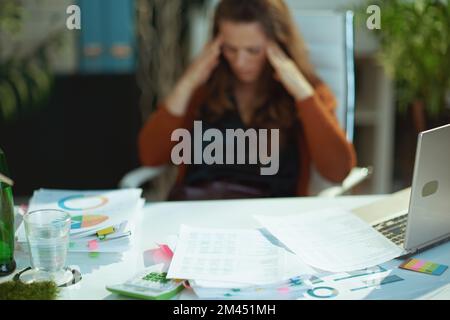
x: 81, y: 202
x: 87, y: 221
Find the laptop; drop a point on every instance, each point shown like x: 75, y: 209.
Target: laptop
x: 419, y: 217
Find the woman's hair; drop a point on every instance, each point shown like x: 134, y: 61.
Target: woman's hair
x: 276, y: 108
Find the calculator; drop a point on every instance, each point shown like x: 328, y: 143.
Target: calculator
x: 151, y: 283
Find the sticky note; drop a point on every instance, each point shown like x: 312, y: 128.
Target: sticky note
x: 105, y: 231
x: 93, y: 245
x: 423, y: 266
x: 165, y: 248
x: 283, y: 290
x: 157, y: 256
x: 94, y: 254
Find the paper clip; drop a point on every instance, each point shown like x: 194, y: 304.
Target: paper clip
x: 105, y: 232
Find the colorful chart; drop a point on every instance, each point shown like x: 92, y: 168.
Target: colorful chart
x: 82, y: 202
x: 323, y: 292
x: 79, y: 222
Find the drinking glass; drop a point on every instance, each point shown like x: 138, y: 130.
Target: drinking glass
x: 48, y: 240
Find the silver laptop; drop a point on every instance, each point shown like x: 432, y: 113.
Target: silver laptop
x: 426, y: 220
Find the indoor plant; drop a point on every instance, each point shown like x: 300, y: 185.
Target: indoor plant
x: 415, y: 50
x: 25, y: 79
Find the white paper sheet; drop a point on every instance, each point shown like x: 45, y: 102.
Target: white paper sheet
x: 331, y: 239
x: 230, y: 255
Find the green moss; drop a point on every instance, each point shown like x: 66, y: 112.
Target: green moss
x: 16, y: 290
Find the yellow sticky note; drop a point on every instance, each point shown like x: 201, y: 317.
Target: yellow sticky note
x: 106, y: 231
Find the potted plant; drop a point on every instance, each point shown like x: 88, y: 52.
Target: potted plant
x: 415, y: 50
x: 25, y: 79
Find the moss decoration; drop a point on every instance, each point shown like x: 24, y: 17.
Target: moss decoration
x: 16, y: 290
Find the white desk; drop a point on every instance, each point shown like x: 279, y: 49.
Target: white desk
x: 158, y: 220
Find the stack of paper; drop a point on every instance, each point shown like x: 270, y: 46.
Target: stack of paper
x: 245, y: 263
x: 219, y: 261
x: 102, y: 221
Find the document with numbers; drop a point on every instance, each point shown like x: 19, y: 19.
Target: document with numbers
x: 230, y: 255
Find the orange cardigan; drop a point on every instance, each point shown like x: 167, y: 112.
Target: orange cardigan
x: 322, y: 142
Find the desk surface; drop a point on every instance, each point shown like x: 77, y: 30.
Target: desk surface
x: 159, y: 220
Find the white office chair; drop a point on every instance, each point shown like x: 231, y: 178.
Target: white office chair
x: 329, y: 38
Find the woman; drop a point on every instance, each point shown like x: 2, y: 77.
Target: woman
x: 255, y: 73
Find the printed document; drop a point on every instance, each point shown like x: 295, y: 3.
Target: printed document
x: 230, y: 255
x: 331, y: 239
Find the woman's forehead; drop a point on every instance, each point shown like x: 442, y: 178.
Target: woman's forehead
x: 242, y: 34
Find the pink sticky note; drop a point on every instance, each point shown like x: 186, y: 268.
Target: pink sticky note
x: 418, y: 265
x: 165, y: 248
x: 93, y: 245
x: 283, y: 290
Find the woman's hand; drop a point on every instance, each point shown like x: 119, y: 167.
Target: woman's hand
x: 195, y: 75
x: 201, y: 68
x: 287, y: 72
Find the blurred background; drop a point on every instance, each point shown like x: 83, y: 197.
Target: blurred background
x: 72, y: 101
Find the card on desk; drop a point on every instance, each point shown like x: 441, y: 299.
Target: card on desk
x: 423, y: 266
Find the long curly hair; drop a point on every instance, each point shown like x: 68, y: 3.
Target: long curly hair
x: 276, y: 108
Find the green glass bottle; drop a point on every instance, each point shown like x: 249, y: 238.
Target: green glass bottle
x: 7, y: 263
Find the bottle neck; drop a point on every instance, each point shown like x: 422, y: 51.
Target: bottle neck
x: 3, y: 169
x: 3, y: 165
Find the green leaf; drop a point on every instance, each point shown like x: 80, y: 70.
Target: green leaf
x: 11, y: 14
x: 40, y: 82
x: 20, y: 84
x: 8, y: 102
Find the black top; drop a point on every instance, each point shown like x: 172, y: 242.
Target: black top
x: 282, y: 184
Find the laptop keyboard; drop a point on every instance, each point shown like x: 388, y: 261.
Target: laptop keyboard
x: 394, y: 229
